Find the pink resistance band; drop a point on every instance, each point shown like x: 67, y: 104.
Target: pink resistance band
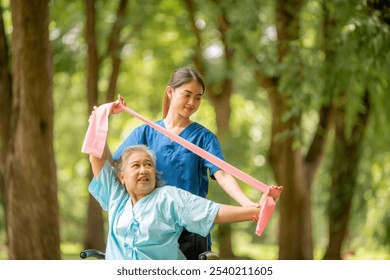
x: 268, y: 203
x: 94, y: 143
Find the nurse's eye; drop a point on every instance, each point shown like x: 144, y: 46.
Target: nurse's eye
x: 187, y: 94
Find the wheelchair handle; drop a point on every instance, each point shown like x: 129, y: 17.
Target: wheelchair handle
x: 208, y: 255
x: 92, y: 253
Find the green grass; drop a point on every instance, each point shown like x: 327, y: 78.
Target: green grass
x: 70, y: 251
x: 270, y: 252
x: 3, y: 252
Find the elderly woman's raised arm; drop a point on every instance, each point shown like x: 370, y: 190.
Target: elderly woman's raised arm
x: 98, y: 163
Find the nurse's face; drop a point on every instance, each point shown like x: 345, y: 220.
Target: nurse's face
x: 186, y: 99
x: 138, y: 175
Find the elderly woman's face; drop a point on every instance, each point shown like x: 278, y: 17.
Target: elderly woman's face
x: 138, y: 175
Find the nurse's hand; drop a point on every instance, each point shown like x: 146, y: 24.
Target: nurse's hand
x: 275, y: 192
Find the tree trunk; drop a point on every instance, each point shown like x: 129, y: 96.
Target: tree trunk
x: 295, y: 234
x: 94, y: 237
x: 95, y: 224
x: 292, y: 169
x: 33, y: 214
x: 5, y: 107
x: 344, y: 173
x: 224, y: 236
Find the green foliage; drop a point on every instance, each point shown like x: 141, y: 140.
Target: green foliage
x: 157, y: 38
x: 66, y: 34
x: 71, y: 121
x: 374, y: 180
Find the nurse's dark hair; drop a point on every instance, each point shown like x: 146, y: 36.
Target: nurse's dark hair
x: 180, y: 77
x: 138, y: 148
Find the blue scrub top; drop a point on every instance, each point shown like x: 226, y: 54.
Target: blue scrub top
x: 180, y: 166
x: 151, y: 228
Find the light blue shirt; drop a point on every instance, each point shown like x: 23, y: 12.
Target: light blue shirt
x: 151, y: 228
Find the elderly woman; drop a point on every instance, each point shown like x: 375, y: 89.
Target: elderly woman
x: 145, y: 218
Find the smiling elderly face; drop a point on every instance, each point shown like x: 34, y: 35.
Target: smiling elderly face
x: 138, y: 175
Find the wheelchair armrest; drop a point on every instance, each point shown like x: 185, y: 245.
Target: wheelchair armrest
x: 92, y: 253
x: 208, y: 255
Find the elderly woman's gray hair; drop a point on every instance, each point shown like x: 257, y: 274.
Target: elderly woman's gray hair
x: 139, y: 148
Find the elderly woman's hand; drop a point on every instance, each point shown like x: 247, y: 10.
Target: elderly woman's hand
x: 92, y: 113
x: 117, y: 107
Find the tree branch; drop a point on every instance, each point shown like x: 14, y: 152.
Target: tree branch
x: 198, y: 61
x: 114, y: 48
x: 316, y: 150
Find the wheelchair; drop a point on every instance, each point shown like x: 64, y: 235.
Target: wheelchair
x: 186, y: 238
x: 93, y: 253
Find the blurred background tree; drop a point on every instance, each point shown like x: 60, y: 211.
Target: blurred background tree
x: 29, y: 170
